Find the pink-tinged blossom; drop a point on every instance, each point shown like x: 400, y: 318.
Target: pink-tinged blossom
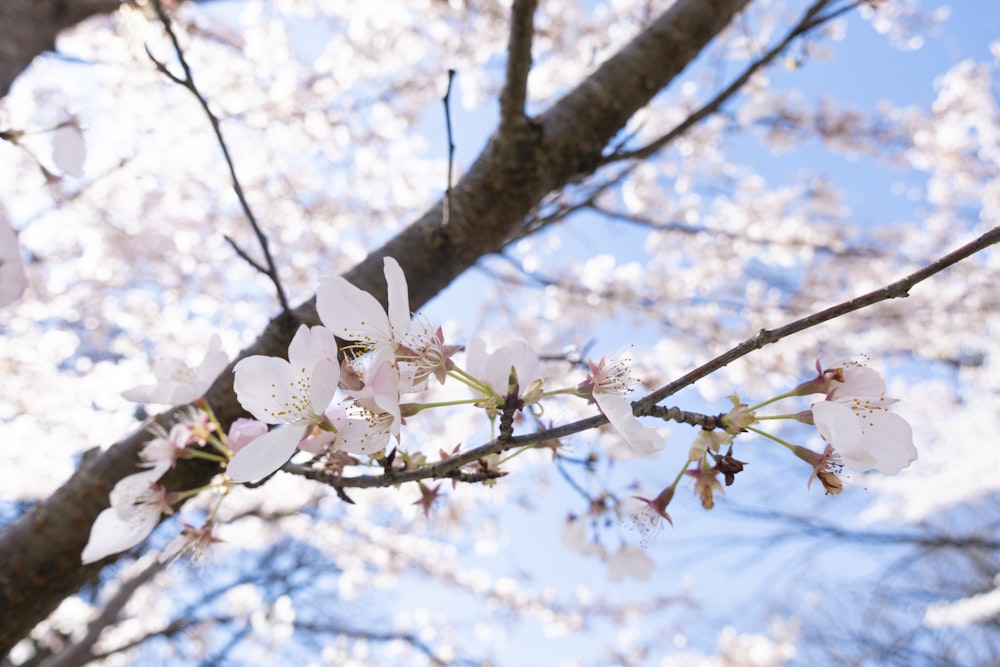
x: 843, y: 379
x: 243, y: 431
x: 13, y: 280
x: 609, y: 382
x: 376, y: 384
x: 166, y: 447
x: 629, y: 561
x: 826, y: 467
x: 355, y: 431
x: 177, y: 383
x: 137, y: 502
x: 647, y: 515
x: 294, y: 392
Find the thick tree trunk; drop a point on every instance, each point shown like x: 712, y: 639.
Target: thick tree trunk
x: 40, y: 554
x: 29, y: 27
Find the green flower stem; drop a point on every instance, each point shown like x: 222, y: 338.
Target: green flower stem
x: 201, y: 454
x: 215, y: 441
x: 772, y: 437
x: 414, y: 408
x: 772, y: 400
x: 791, y: 416
x: 181, y: 495
x: 462, y: 376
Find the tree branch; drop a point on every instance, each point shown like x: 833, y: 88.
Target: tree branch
x: 28, y: 28
x: 515, y: 89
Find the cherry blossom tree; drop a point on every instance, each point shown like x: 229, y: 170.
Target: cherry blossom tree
x: 576, y: 338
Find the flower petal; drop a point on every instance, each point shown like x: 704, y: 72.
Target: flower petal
x: 398, y: 299
x: 351, y: 313
x: 265, y: 387
x: 112, y: 533
x: 266, y: 454
x: 858, y: 381
x: 618, y: 410
x: 866, y: 439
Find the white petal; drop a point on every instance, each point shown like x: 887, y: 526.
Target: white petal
x: 266, y: 388
x: 112, y: 534
x: 323, y: 384
x: 890, y: 441
x: 360, y: 436
x: 859, y: 381
x: 265, y: 454
x: 127, y: 491
x: 309, y: 345
x: 865, y: 439
x: 618, y: 410
x: 214, y: 363
x: 352, y: 313
x: 398, y: 298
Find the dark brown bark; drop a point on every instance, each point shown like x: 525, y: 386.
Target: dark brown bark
x: 29, y: 28
x: 40, y: 553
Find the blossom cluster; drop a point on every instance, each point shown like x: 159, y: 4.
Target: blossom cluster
x: 348, y: 386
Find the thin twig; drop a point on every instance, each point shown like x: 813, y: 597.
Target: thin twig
x: 446, y: 100
x: 187, y: 81
x: 809, y: 21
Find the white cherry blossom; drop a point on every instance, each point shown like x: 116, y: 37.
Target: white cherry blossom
x: 295, y: 392
x: 354, y: 314
x: 177, y: 383
x: 137, y: 502
x: 610, y: 383
x: 493, y: 368
x: 855, y: 419
x: 865, y: 434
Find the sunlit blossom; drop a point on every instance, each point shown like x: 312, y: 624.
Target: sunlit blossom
x: 177, y: 383
x: 137, y: 502
x: 609, y: 382
x: 165, y: 447
x: 493, y: 368
x: 355, y: 315
x: 294, y: 392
